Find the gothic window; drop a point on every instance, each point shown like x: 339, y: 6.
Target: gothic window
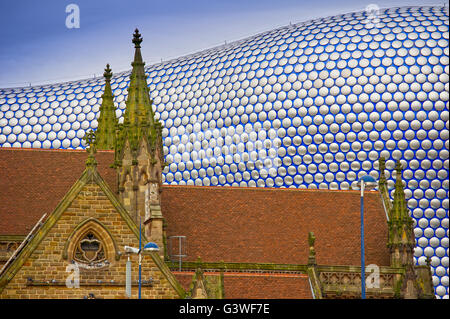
x: 91, y: 245
x: 90, y: 249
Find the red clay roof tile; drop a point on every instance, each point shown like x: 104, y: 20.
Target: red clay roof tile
x: 232, y: 224
x: 258, y: 285
x: 271, y: 225
x: 34, y: 181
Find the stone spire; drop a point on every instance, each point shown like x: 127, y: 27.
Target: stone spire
x: 107, y: 121
x: 401, y: 241
x: 399, y: 210
x: 139, y: 156
x: 138, y: 119
x: 383, y: 186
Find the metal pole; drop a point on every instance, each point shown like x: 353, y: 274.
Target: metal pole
x: 140, y: 255
x: 363, y: 273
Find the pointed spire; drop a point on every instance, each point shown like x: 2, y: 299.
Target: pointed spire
x: 399, y: 209
x: 401, y: 240
x: 138, y: 117
x: 107, y: 120
x: 138, y: 102
x: 139, y: 154
x: 383, y: 187
x: 138, y: 113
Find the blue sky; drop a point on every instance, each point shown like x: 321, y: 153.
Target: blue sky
x: 38, y: 48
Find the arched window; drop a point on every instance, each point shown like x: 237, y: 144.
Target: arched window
x: 90, y: 249
x: 91, y: 245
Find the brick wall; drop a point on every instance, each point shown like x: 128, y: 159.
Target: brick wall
x: 7, y: 248
x: 46, y: 263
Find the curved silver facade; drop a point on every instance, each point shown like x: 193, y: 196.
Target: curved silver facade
x: 310, y: 105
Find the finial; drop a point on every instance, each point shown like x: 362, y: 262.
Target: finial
x: 312, y: 251
x: 108, y: 73
x: 399, y: 203
x: 398, y: 176
x: 311, y: 241
x: 137, y: 39
x: 89, y: 139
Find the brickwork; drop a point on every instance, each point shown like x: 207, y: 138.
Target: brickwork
x: 46, y: 263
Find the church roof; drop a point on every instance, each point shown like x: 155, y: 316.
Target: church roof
x: 33, y: 182
x: 230, y: 224
x: 271, y: 225
x: 258, y: 285
x: 90, y: 174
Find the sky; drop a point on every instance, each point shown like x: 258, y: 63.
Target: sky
x: 37, y: 47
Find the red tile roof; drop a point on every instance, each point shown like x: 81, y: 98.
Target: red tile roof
x: 268, y: 225
x: 34, y: 181
x: 266, y: 286
x: 238, y: 285
x: 233, y: 224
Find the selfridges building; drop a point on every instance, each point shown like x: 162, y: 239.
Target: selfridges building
x: 310, y: 105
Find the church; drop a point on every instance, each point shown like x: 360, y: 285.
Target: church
x: 62, y: 210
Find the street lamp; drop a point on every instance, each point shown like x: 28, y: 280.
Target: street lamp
x: 365, y: 182
x: 131, y: 250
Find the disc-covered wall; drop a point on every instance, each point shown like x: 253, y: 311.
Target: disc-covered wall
x: 310, y: 105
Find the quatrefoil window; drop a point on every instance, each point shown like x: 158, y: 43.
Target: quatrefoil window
x: 90, y: 249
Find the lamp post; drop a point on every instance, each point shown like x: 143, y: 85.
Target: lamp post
x: 365, y: 182
x: 140, y: 255
x: 131, y: 250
